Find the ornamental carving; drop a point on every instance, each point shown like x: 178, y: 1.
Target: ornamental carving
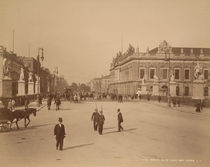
x: 163, y: 47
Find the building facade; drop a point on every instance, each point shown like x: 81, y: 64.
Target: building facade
x: 160, y: 69
x: 11, y: 72
x: 21, y: 76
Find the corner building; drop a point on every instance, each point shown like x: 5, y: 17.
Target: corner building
x: 132, y: 70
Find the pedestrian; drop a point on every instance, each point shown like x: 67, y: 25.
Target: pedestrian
x: 13, y: 105
x: 101, y: 120
x: 174, y: 102
x: 26, y: 103
x: 38, y: 100
x: 57, y: 102
x: 159, y: 98
x: 59, y: 132
x: 148, y: 97
x: 202, y: 104
x: 95, y: 118
x: 9, y: 105
x: 198, y: 107
x: 120, y: 120
x: 49, y: 101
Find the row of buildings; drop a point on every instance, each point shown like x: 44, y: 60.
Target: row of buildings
x: 20, y: 76
x: 163, y: 70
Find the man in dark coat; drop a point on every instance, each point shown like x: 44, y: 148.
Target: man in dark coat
x: 49, y: 101
x: 120, y: 120
x: 101, y: 120
x: 57, y: 102
x: 59, y: 132
x: 94, y: 118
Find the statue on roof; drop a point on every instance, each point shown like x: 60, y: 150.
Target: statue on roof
x: 164, y: 47
x: 131, y: 50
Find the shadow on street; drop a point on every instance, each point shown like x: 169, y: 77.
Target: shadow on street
x: 125, y: 130
x: 29, y: 127
x: 109, y: 128
x: 78, y: 146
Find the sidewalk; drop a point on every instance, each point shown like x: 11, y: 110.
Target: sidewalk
x: 182, y: 108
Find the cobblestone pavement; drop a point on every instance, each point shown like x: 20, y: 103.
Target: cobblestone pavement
x: 154, y: 135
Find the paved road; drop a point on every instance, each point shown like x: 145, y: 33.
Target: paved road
x: 154, y: 135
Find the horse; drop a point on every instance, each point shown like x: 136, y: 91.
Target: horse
x: 17, y: 115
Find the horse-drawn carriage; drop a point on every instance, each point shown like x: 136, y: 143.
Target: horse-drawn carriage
x: 7, y: 117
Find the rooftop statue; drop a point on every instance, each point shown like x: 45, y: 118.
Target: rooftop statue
x: 164, y: 47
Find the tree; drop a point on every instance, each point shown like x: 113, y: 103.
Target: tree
x: 84, y: 88
x: 74, y: 87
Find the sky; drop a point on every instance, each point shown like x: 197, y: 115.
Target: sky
x: 81, y: 37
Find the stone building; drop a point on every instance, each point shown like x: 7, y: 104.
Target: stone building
x: 161, y: 70
x: 95, y: 85
x: 21, y: 76
x: 12, y: 74
x: 105, y: 84
x: 32, y: 65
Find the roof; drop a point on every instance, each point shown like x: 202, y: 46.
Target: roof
x: 186, y: 50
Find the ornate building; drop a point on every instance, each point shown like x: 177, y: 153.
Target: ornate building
x: 161, y: 70
x: 12, y: 72
x: 19, y: 77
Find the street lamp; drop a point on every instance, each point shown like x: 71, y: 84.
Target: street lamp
x: 39, y: 66
x: 166, y: 49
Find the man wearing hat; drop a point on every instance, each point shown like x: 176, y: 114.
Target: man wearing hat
x: 101, y: 120
x: 94, y: 118
x: 120, y: 120
x: 59, y: 132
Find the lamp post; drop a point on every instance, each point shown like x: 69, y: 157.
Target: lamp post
x: 166, y: 49
x: 169, y: 80
x: 39, y: 67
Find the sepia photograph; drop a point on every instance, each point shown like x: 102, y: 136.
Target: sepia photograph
x: 104, y: 83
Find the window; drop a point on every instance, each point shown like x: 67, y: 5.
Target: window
x: 205, y: 74
x: 206, y: 91
x: 176, y: 71
x: 141, y: 73
x: 186, y: 91
x: 165, y: 73
x: 151, y: 73
x: 186, y: 74
x: 177, y: 91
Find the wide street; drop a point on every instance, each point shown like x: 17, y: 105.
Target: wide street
x: 154, y: 135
